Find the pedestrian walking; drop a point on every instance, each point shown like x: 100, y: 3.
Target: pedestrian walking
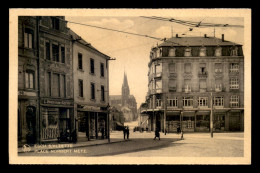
x: 178, y: 129
x: 127, y: 132
x: 182, y: 135
x: 157, y: 134
x: 124, y: 131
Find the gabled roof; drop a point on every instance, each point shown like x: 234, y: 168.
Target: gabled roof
x: 196, y: 41
x: 77, y: 38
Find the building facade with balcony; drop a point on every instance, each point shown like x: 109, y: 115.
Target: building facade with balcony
x: 91, y: 89
x: 188, y: 74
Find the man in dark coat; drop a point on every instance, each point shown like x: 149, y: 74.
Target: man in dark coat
x: 124, y: 131
x: 157, y: 134
x: 127, y: 132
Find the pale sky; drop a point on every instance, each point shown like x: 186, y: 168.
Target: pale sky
x: 132, y: 52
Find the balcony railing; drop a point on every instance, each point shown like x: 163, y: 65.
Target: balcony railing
x: 203, y: 74
x: 172, y: 89
x: 173, y: 75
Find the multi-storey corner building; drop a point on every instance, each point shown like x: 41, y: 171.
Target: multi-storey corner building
x: 91, y: 88
x: 187, y: 75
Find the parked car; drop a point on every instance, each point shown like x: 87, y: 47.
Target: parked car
x: 138, y: 128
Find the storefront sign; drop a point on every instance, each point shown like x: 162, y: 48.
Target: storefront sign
x: 58, y: 102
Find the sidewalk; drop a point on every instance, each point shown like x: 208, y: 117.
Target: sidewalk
x: 67, y: 145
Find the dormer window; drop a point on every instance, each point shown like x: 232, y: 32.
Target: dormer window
x: 55, y: 23
x: 187, y: 51
x: 234, y: 51
x: 218, y: 51
x: 203, y: 51
x: 172, y: 51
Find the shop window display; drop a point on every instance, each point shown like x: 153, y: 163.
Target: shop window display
x: 202, y: 123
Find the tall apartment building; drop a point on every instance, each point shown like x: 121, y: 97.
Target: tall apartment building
x: 91, y: 88
x: 188, y: 74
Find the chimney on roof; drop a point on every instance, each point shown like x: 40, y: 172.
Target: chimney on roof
x: 205, y: 35
x: 223, y: 38
x: 177, y: 36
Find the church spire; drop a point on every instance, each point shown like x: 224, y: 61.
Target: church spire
x: 125, y: 90
x: 125, y: 83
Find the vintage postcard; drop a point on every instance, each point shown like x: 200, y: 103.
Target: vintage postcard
x: 130, y: 86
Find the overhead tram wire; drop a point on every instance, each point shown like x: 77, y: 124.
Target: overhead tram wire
x: 191, y: 23
x: 130, y: 33
x: 125, y: 29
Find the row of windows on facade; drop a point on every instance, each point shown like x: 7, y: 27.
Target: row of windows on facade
x: 55, y: 83
x: 54, y: 52
x: 233, y: 84
x: 233, y: 67
x: 92, y: 65
x: 202, y: 101
x: 187, y: 52
x: 92, y: 90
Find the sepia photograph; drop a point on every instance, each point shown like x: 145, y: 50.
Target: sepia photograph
x: 130, y: 86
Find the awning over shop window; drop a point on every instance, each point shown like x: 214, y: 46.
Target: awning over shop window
x: 173, y: 113
x: 203, y: 113
x: 188, y: 113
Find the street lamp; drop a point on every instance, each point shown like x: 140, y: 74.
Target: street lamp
x: 211, y: 115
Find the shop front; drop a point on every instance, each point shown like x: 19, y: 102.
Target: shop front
x: 92, y: 122
x: 57, y: 119
x: 188, y: 121
x: 236, y: 120
x: 27, y: 121
x: 202, y: 120
x: 219, y: 121
x: 172, y: 121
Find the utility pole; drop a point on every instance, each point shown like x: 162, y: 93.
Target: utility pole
x: 165, y: 110
x: 211, y: 116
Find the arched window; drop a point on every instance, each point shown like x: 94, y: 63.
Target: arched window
x: 203, y: 51
x: 187, y: 51
x: 172, y: 51
x: 218, y: 51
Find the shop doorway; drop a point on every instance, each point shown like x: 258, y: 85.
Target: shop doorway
x: 234, y: 123
x: 219, y: 122
x: 31, y: 124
